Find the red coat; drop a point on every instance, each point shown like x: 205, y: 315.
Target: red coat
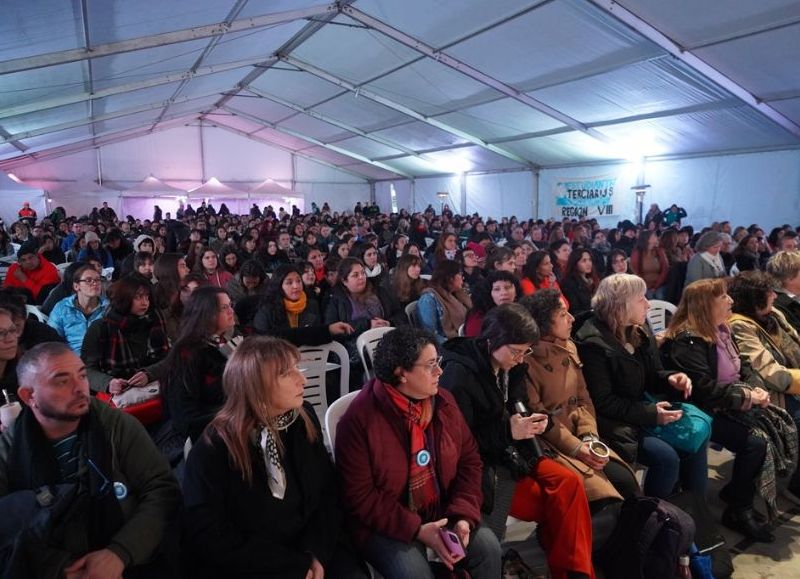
x: 45, y: 274
x: 372, y: 458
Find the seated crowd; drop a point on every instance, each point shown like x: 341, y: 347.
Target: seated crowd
x: 516, y: 350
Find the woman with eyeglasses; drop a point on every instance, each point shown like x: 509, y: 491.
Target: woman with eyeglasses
x: 72, y: 316
x: 622, y: 366
x: 125, y: 347
x: 488, y: 379
x: 260, y: 492
x: 409, y: 467
x: 206, y: 340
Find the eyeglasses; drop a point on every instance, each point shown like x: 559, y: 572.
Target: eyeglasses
x: 13, y: 332
x: 520, y: 353
x: 90, y: 280
x: 431, y: 366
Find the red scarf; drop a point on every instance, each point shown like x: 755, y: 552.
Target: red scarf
x: 423, y: 493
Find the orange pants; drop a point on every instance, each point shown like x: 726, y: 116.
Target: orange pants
x: 553, y: 496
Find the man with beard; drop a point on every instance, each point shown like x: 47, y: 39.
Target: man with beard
x: 122, y: 495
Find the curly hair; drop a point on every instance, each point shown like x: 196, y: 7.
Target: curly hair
x: 482, y: 294
x: 541, y: 306
x: 400, y: 348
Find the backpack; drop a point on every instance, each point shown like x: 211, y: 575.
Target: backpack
x: 650, y: 536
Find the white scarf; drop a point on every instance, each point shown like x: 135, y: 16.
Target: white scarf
x: 272, y: 458
x: 375, y: 271
x: 714, y: 261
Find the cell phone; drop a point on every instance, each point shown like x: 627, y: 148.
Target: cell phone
x: 452, y: 543
x: 675, y: 406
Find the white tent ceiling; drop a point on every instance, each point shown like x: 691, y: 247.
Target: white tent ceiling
x: 383, y: 88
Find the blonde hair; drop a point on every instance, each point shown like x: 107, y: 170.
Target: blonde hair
x: 784, y: 265
x: 695, y: 311
x: 612, y: 304
x: 251, y: 375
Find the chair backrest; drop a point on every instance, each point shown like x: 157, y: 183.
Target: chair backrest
x: 314, y: 361
x: 366, y: 344
x: 657, y: 317
x: 36, y: 313
x: 411, y: 313
x: 332, y: 417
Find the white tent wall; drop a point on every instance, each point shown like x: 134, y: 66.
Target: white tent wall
x: 760, y: 187
x: 339, y: 196
x: 233, y: 159
x: 501, y: 194
x: 14, y: 194
x: 75, y: 203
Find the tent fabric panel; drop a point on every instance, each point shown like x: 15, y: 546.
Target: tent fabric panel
x: 555, y: 36
x: 282, y: 139
x: 573, y: 147
x: 136, y: 98
x: 253, y: 161
x: 501, y: 195
x: 192, y: 107
x: 764, y: 63
x: 502, y: 118
x: 236, y: 122
x: 425, y: 192
x: 310, y: 171
x: 340, y: 196
x: 170, y: 155
x: 370, y: 171
x: 707, y: 22
x: 312, y: 127
x: 221, y: 81
x: 27, y: 28
x: 252, y: 43
x: 8, y: 150
x: 701, y: 132
x: 51, y: 140
x: 39, y: 84
x: 45, y: 118
x: 353, y: 53
x: 127, y: 67
x: 414, y: 166
x: 358, y: 112
x: 260, y: 107
x: 420, y: 136
x: 428, y: 87
x: 366, y: 147
x: 472, y: 158
x: 296, y: 86
x: 327, y: 155
x: 81, y: 166
x: 127, y: 122
x: 638, y: 89
x: 261, y: 7
x: 790, y: 108
x: 444, y: 21
x: 112, y: 21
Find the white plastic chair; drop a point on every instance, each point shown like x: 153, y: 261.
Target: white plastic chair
x: 36, y: 313
x: 366, y: 344
x: 315, y: 365
x: 62, y: 267
x: 461, y: 329
x: 425, y: 276
x: 332, y: 417
x: 411, y: 313
x: 657, y: 315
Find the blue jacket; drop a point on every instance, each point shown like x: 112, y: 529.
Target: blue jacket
x: 71, y: 323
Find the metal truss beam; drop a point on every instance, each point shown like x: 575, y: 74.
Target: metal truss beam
x: 644, y: 28
x: 404, y: 109
x: 471, y: 72
x: 115, y: 90
x: 156, y: 40
x: 316, y: 142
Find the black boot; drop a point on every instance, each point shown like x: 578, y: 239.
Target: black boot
x: 741, y: 520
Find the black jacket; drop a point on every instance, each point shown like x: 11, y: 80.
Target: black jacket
x: 617, y: 382
x: 271, y: 319
x: 698, y: 359
x: 578, y: 294
x: 236, y: 530
x: 790, y: 308
x: 468, y: 374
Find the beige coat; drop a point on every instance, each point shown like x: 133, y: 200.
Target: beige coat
x: 556, y: 381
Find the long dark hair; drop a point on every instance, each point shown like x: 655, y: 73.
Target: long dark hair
x: 531, y: 268
x: 273, y: 294
x: 482, y: 294
x: 199, y: 320
x: 572, y: 268
x: 168, y: 289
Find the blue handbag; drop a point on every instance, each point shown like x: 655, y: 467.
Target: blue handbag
x: 688, y: 434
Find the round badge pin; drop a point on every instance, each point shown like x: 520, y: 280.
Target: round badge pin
x: 423, y: 458
x: 120, y: 491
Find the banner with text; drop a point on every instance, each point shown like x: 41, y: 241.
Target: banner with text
x: 582, y: 198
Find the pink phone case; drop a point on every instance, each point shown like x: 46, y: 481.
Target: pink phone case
x: 452, y: 543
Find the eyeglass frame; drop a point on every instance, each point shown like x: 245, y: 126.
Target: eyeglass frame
x: 431, y: 366
x: 519, y: 355
x: 91, y: 281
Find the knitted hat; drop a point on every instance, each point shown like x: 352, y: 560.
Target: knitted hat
x: 706, y: 240
x: 91, y: 236
x: 139, y: 240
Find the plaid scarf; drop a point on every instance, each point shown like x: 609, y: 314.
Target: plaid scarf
x: 423, y: 492
x: 777, y: 428
x: 121, y: 361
